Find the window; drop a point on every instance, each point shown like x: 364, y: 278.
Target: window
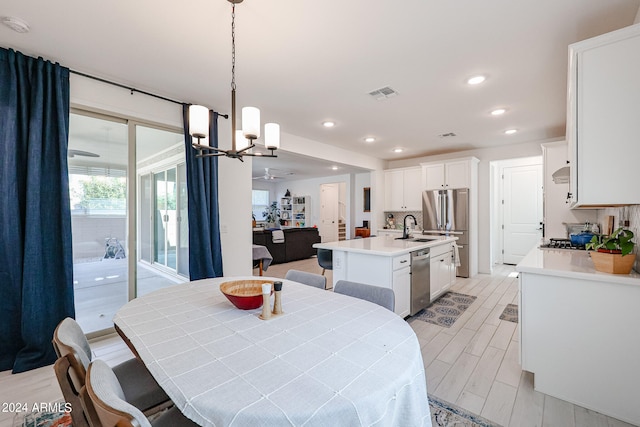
x: 260, y: 203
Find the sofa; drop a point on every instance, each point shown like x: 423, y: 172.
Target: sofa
x: 298, y: 244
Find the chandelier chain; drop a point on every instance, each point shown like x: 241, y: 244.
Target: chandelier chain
x: 233, y: 47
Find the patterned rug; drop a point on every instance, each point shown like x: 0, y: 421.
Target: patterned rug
x: 43, y: 419
x: 445, y: 414
x: 445, y: 310
x: 510, y: 313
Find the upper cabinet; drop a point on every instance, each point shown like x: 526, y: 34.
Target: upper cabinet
x: 448, y: 175
x: 403, y: 191
x: 603, y: 129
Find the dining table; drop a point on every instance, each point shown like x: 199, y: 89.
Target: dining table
x: 327, y: 360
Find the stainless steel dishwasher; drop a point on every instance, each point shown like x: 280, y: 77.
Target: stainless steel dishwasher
x: 420, y: 277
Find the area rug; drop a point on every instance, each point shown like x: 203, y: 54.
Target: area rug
x: 510, y: 313
x: 446, y: 310
x: 445, y: 414
x: 43, y: 419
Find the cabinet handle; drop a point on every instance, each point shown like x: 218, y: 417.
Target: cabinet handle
x: 403, y: 261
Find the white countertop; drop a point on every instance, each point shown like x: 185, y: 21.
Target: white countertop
x: 383, y: 245
x: 568, y: 263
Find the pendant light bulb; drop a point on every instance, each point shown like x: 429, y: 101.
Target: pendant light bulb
x: 272, y: 136
x: 251, y: 122
x: 198, y: 121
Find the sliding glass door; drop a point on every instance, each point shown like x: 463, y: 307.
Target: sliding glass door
x: 164, y: 220
x: 109, y: 229
x: 163, y: 233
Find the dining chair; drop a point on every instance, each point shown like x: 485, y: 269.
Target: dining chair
x: 311, y: 279
x: 64, y: 372
x: 108, y: 402
x: 325, y: 259
x: 140, y: 389
x: 375, y: 294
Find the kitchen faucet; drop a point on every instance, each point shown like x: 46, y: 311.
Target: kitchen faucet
x: 405, y: 230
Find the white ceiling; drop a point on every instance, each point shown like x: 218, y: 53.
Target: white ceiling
x: 305, y: 61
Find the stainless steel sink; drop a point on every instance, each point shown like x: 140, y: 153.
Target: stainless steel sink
x: 418, y: 239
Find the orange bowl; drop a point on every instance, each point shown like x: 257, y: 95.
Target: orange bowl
x: 244, y: 294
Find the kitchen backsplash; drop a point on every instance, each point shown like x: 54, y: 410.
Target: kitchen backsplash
x: 398, y: 217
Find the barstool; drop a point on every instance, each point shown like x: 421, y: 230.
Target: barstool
x: 325, y: 259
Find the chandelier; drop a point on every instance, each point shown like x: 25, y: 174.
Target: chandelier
x: 241, y: 140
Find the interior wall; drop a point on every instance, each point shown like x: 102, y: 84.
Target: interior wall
x: 485, y: 155
x: 637, y: 20
x: 311, y: 187
x: 361, y: 181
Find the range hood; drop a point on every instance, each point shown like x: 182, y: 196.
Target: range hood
x: 561, y: 176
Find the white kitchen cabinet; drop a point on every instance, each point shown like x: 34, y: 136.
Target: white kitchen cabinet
x: 401, y: 284
x: 442, y: 271
x: 602, y: 120
x: 449, y: 174
x: 578, y: 332
x: 403, y: 190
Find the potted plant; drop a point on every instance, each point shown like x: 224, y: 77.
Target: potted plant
x: 272, y: 214
x: 613, y: 253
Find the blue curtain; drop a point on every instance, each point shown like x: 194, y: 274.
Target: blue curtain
x: 205, y: 251
x: 36, y: 265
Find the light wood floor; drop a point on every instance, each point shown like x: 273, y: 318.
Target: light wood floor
x: 473, y: 364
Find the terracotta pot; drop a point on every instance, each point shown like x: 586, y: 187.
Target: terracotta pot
x: 612, y: 263
x: 609, y: 251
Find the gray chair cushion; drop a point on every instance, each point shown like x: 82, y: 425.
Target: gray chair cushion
x: 311, y: 279
x: 375, y: 294
x: 139, y: 386
x: 105, y: 386
x: 173, y: 418
x: 70, y: 334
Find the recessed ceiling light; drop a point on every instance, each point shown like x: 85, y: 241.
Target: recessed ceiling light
x: 498, y: 112
x: 510, y: 131
x: 476, y: 80
x: 369, y: 139
x: 16, y: 24
x: 398, y: 150
x: 328, y: 124
x: 335, y: 168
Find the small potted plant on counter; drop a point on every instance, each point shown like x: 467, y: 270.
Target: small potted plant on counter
x: 613, y: 253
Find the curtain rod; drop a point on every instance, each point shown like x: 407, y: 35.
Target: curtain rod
x: 226, y: 116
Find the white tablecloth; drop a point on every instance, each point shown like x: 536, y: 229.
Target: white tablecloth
x: 329, y: 360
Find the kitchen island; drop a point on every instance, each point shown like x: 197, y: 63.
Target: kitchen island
x: 386, y: 261
x: 579, y: 331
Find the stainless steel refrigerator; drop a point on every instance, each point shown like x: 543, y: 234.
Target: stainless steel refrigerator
x: 447, y: 212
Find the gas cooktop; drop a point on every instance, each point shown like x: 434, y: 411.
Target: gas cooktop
x: 561, y: 244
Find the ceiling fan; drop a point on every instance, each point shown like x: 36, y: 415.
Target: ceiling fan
x: 271, y: 174
x: 72, y: 153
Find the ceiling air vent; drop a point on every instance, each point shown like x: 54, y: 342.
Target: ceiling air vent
x: 383, y: 93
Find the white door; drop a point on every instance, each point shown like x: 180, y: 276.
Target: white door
x: 522, y: 211
x: 329, y: 212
